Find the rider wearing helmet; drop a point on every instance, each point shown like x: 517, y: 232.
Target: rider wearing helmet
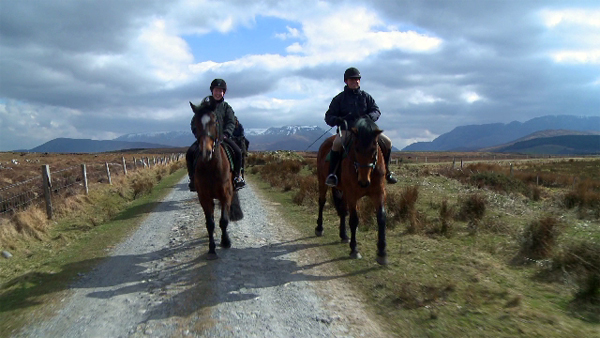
x: 226, y: 117
x: 345, y: 109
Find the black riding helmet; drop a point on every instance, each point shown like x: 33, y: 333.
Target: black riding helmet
x: 351, y: 73
x: 218, y: 83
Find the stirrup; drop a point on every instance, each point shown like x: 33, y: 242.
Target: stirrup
x: 331, y: 181
x: 239, y: 183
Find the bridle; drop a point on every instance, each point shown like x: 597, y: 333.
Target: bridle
x: 371, y: 165
x: 215, y: 138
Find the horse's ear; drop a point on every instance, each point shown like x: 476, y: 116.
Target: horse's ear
x: 194, y: 108
x: 377, y: 132
x: 354, y: 131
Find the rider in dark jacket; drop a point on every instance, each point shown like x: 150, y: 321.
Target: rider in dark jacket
x: 226, y: 118
x: 240, y: 139
x: 345, y: 109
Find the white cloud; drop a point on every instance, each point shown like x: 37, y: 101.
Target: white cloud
x: 583, y: 17
x: 418, y: 97
x: 577, y: 32
x: 471, y: 97
x: 292, y: 33
x: 167, y: 54
x: 588, y: 56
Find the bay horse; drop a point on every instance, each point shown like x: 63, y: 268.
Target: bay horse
x: 212, y: 176
x: 362, y: 174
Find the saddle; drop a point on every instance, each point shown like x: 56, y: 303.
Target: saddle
x: 228, y: 151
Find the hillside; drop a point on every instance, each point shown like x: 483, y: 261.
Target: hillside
x: 68, y: 145
x: 474, y: 137
x: 556, y: 145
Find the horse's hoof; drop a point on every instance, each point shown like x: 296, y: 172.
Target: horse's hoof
x: 345, y: 240
x: 211, y: 256
x: 355, y: 255
x: 382, y: 260
x: 225, y: 243
x: 318, y: 233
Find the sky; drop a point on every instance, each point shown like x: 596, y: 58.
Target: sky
x: 97, y: 70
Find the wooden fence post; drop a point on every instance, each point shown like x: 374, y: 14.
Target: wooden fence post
x: 124, y: 165
x: 461, y: 164
x: 453, y: 162
x: 47, y: 182
x: 108, y: 173
x: 511, y: 170
x: 85, y: 182
x: 134, y: 164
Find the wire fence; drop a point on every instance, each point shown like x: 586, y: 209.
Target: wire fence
x: 69, y: 181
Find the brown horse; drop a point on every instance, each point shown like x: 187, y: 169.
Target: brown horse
x: 212, y: 176
x: 362, y: 174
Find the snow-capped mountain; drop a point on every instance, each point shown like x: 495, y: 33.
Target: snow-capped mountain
x: 296, y: 138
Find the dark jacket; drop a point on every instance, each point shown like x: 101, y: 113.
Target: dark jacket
x: 239, y: 131
x: 225, y: 117
x: 351, y: 104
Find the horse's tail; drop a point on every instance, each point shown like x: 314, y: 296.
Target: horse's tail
x: 338, y: 202
x: 235, y: 211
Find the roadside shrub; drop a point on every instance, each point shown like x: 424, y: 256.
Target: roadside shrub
x: 586, y: 195
x: 539, y: 238
x: 472, y: 208
x: 141, y: 184
x: 307, y: 190
x: 446, y: 214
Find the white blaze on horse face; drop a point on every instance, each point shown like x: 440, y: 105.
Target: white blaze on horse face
x: 204, y: 120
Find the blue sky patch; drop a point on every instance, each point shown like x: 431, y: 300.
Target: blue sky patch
x: 257, y: 39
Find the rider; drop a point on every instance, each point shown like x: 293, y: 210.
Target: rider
x: 225, y: 114
x: 240, y: 139
x: 345, y: 109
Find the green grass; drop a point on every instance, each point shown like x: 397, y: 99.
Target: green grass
x: 40, y: 273
x: 458, y: 285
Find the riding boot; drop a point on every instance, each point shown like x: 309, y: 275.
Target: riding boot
x: 190, y: 156
x: 388, y: 174
x: 238, y: 181
x: 334, y: 158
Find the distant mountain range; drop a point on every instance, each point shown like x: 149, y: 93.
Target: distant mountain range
x: 69, y: 145
x: 544, y: 135
x: 295, y: 138
x: 477, y: 137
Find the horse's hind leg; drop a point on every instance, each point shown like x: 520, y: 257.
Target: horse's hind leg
x: 208, y: 207
x: 223, y: 223
x: 381, y: 253
x: 322, y: 200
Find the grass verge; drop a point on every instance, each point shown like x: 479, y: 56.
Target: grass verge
x: 41, y: 271
x: 446, y: 286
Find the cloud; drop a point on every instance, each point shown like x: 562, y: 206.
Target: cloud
x: 106, y: 68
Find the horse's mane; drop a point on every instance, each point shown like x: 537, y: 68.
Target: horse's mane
x: 366, y: 129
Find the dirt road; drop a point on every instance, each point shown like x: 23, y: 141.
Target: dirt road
x: 158, y: 283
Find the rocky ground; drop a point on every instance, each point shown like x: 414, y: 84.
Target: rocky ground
x: 158, y: 283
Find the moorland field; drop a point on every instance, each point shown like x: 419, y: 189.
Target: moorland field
x: 479, y: 244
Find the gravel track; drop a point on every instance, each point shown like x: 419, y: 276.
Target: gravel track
x: 158, y: 283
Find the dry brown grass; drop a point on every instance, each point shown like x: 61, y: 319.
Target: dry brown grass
x: 32, y: 223
x: 539, y: 237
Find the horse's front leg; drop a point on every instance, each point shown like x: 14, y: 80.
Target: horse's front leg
x: 353, y: 226
x: 208, y: 206
x: 223, y: 223
x: 381, y: 253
